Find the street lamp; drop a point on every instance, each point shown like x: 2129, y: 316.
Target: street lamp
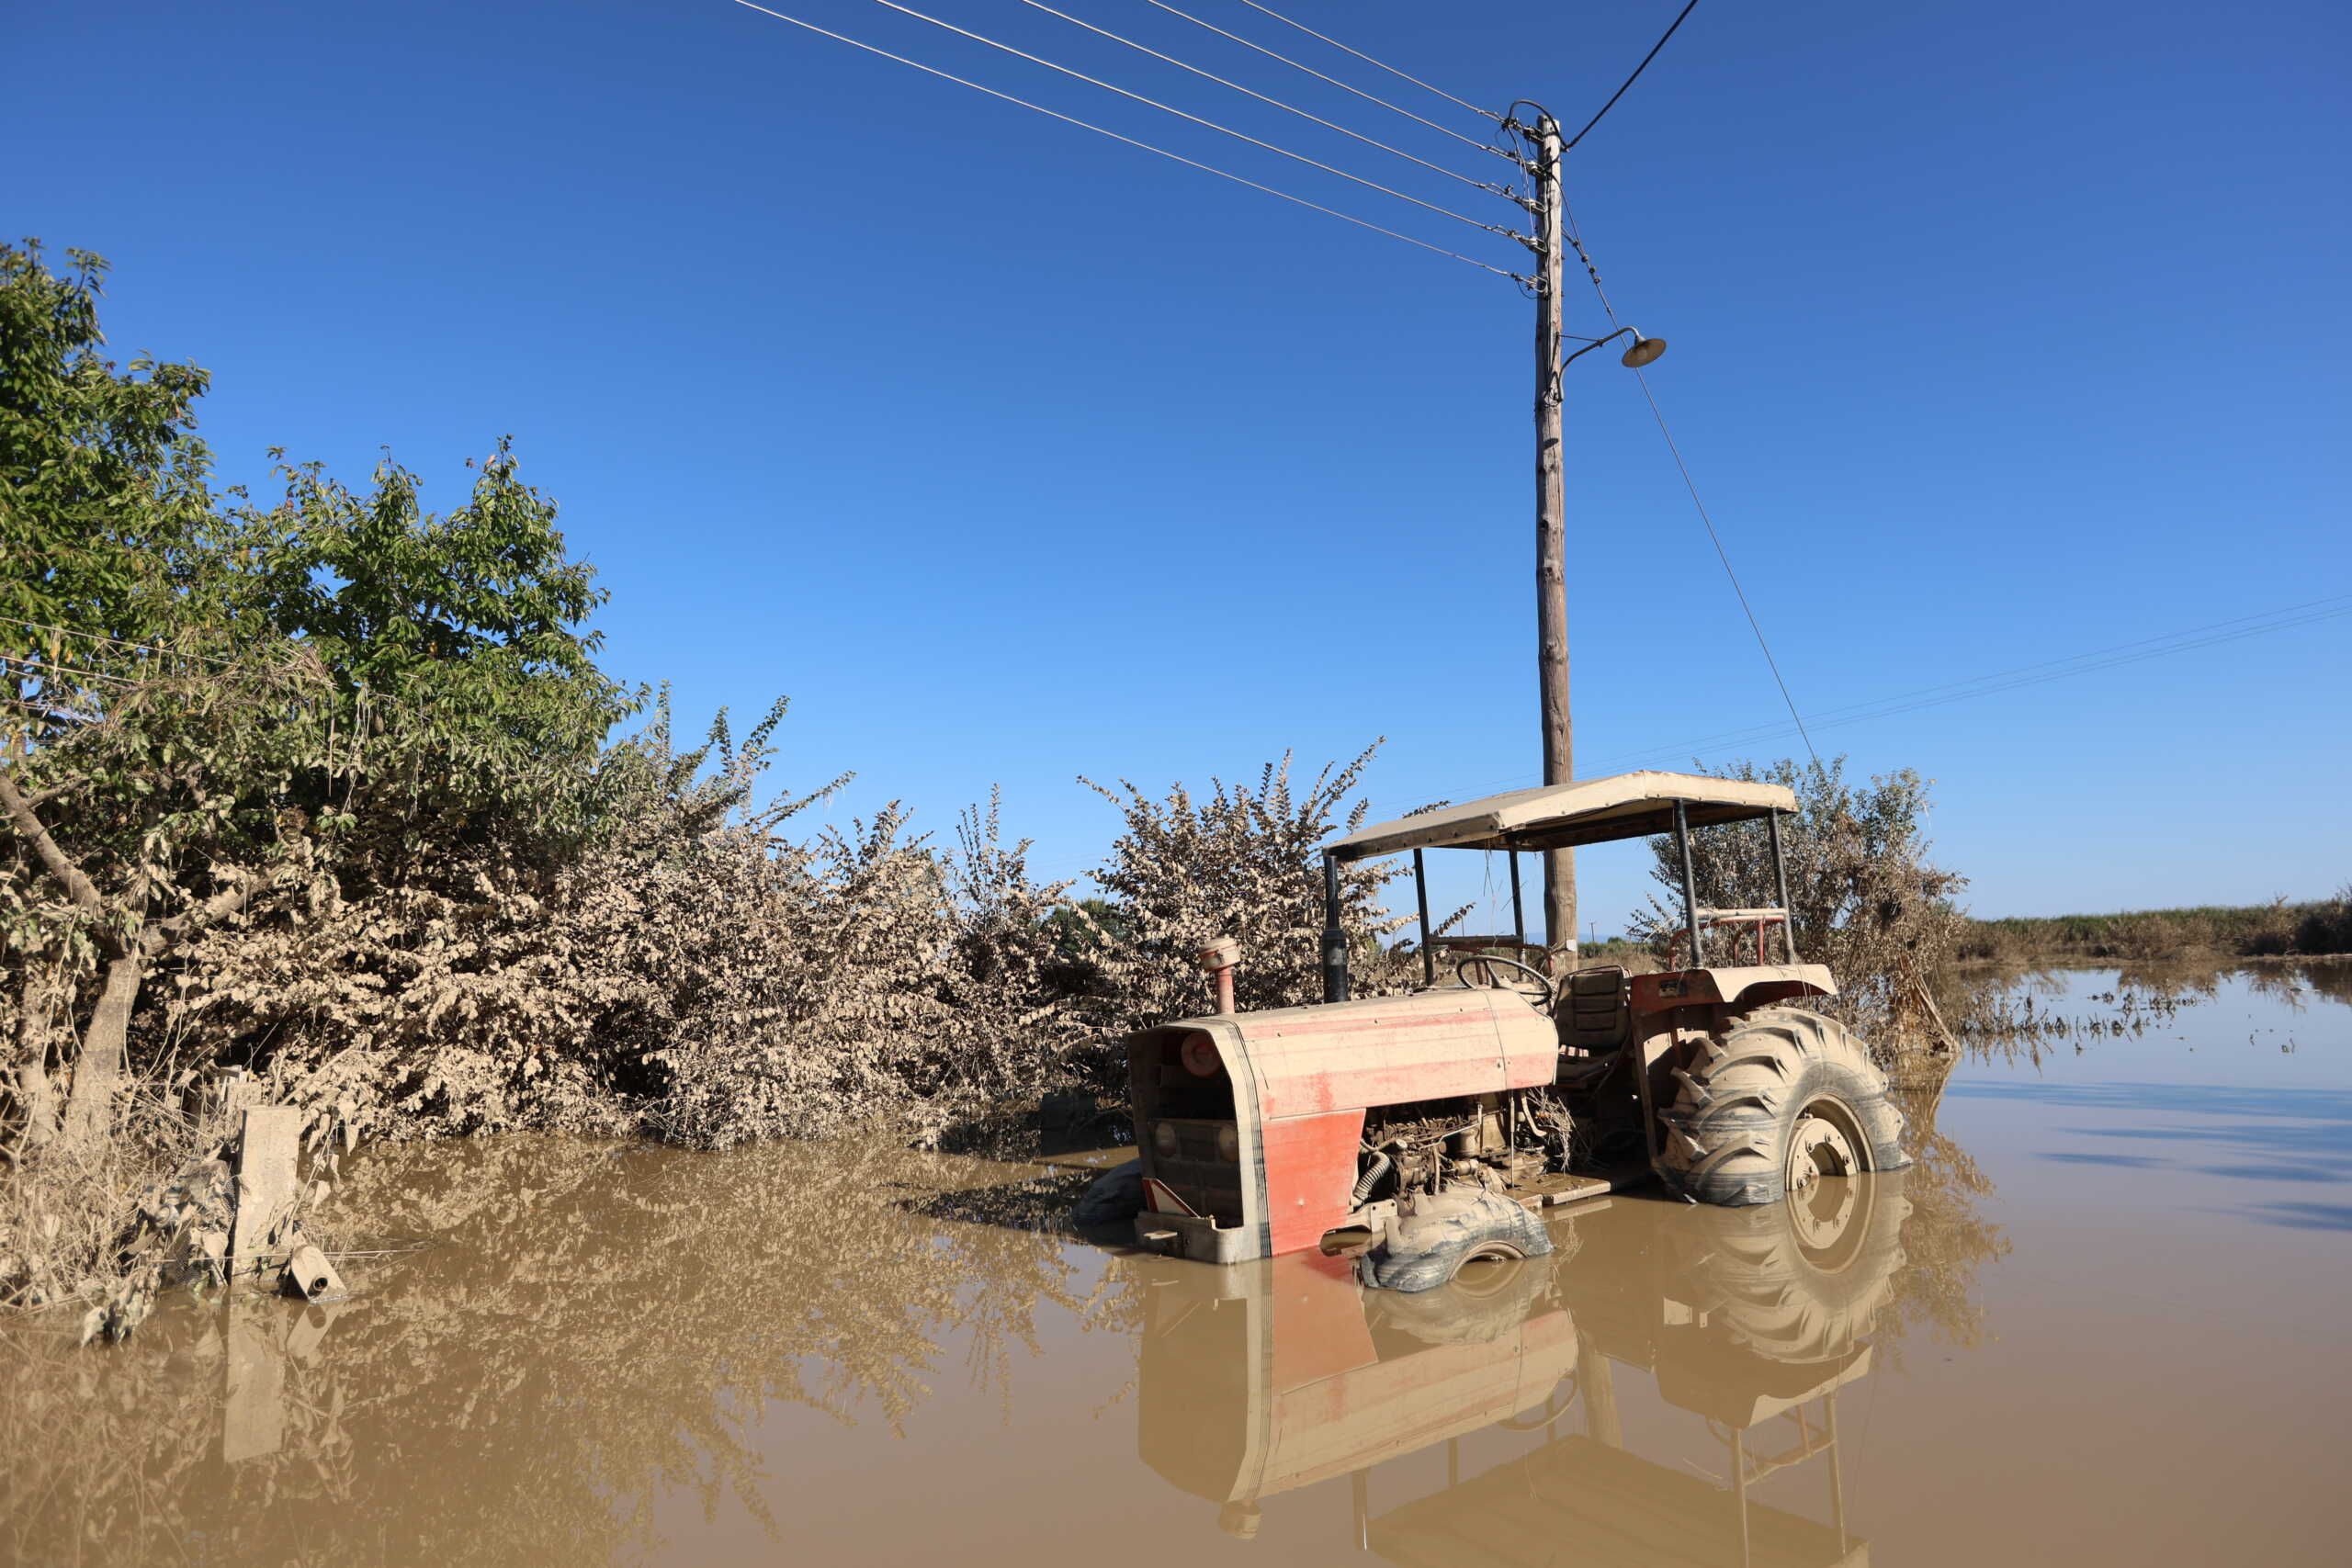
x: 1644, y: 350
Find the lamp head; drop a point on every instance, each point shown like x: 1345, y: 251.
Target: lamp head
x: 1645, y: 351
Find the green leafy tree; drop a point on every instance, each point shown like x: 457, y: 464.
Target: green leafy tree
x: 208, y: 707
x: 102, y: 485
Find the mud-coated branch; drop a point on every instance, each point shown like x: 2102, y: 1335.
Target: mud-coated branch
x: 78, y: 886
x: 222, y: 906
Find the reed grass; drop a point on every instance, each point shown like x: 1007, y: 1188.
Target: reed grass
x: 2252, y: 931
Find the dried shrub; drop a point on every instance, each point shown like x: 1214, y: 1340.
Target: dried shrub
x: 1245, y: 862
x: 1866, y: 900
x: 695, y: 972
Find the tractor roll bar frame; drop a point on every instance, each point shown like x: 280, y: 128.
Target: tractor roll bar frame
x: 1689, y: 883
x: 1335, y: 938
x: 1780, y: 877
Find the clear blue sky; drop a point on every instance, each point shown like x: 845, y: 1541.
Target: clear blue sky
x: 2000, y: 332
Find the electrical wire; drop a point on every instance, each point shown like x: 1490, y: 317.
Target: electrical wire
x: 118, y: 642
x: 1568, y: 228
x: 1628, y: 81
x: 1368, y: 60
x: 1146, y: 146
x: 1359, y: 92
x: 1303, y: 114
x: 64, y: 669
x: 2286, y: 617
x: 1181, y: 114
x: 1722, y: 555
x: 2309, y: 613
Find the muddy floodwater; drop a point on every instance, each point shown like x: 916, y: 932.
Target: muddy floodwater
x: 2107, y: 1320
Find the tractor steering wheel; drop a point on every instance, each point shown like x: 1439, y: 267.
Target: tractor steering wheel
x: 1544, y: 981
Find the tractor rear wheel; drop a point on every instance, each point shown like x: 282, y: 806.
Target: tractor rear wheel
x: 1795, y: 1285
x: 1780, y: 1101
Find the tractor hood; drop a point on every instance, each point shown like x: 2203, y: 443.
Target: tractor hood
x: 1293, y: 1084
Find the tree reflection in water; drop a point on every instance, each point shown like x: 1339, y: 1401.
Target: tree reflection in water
x: 592, y: 1329
x: 1948, y: 1238
x: 596, y: 1330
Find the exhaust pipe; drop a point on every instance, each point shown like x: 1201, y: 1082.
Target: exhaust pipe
x: 1219, y: 958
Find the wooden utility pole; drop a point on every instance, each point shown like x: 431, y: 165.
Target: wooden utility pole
x: 1551, y: 542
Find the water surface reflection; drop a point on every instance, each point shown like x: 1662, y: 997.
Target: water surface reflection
x: 1262, y: 1380
x: 602, y: 1342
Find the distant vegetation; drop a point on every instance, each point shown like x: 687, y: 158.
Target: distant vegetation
x: 2253, y: 930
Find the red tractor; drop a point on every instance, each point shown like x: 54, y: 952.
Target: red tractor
x: 1418, y: 1131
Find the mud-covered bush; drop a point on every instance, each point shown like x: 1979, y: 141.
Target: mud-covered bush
x: 697, y: 972
x: 1866, y: 900
x: 1246, y: 862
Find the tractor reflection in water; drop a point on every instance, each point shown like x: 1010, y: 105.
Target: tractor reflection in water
x: 1422, y: 1133
x: 1273, y: 1376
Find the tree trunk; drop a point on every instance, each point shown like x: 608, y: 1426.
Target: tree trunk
x: 98, y: 1071
x: 36, y: 1090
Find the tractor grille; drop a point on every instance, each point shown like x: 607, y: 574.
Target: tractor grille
x: 1202, y: 1178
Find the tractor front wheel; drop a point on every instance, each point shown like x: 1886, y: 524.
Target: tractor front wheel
x: 1781, y: 1099
x: 1428, y: 1248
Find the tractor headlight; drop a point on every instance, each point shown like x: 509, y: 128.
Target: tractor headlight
x: 1200, y: 1057
x: 1228, y: 1144
x: 1163, y: 1139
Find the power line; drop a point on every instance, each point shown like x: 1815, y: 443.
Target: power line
x: 1169, y: 109
x: 1368, y: 60
x: 65, y: 669
x: 1628, y: 81
x: 1212, y: 76
x: 2284, y: 619
x: 1146, y: 146
x: 118, y: 642
x: 1722, y: 555
x: 1570, y: 228
x: 2188, y: 640
x: 1359, y: 92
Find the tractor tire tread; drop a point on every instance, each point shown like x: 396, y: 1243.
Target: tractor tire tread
x: 1739, y: 1104
x: 1422, y: 1253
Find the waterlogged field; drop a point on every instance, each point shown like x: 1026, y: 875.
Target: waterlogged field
x: 2102, y: 1322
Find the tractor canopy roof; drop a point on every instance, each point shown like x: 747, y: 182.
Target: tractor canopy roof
x: 1591, y: 811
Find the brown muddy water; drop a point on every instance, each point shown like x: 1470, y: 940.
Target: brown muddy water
x: 2104, y: 1322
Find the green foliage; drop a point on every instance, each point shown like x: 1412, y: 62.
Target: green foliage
x: 461, y: 637
x: 101, y: 485
x: 2326, y: 927
x: 1085, y: 927
x: 224, y: 713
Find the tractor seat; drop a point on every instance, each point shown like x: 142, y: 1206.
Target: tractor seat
x: 1594, y: 1012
